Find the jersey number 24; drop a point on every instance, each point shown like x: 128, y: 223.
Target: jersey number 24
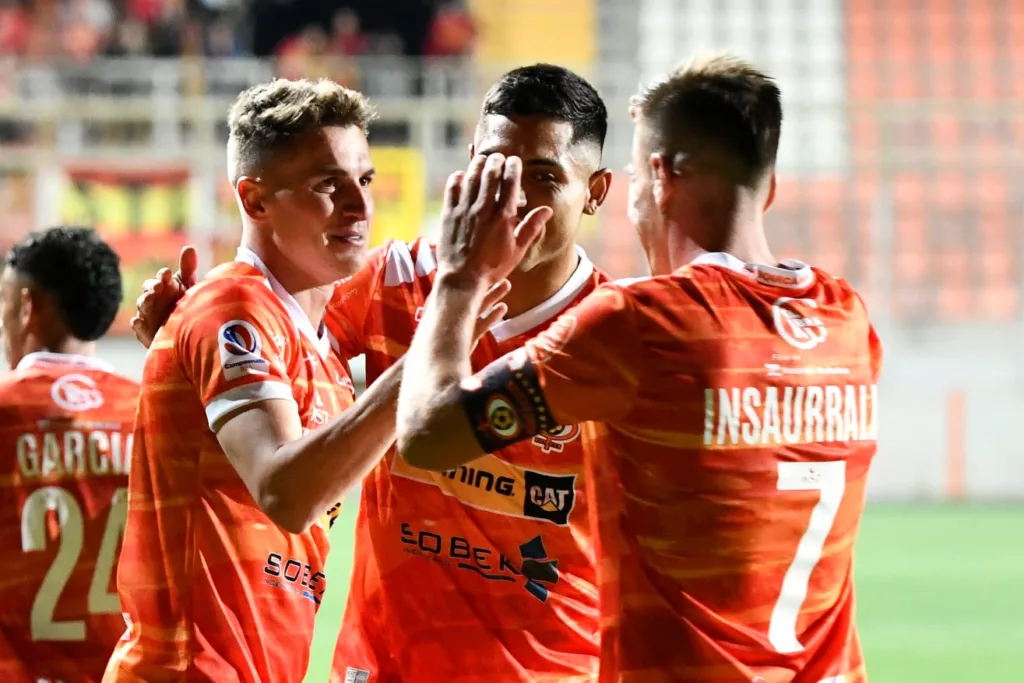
x: 72, y: 532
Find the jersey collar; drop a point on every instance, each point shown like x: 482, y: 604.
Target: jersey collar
x: 792, y: 274
x: 65, y: 360
x: 546, y: 310
x: 321, y: 342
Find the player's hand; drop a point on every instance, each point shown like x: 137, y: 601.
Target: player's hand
x: 161, y: 294
x: 494, y: 309
x: 482, y: 238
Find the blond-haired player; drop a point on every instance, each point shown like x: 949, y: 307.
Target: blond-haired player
x: 248, y: 431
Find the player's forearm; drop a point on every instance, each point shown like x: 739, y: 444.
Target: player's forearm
x: 438, y: 359
x: 316, y: 470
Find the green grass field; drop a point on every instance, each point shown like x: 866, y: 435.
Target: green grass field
x: 938, y: 588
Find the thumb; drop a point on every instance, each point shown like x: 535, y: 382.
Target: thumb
x: 529, y: 228
x: 188, y: 265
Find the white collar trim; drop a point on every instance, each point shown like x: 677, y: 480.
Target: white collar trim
x: 72, y: 360
x: 793, y: 275
x: 321, y: 342
x: 545, y: 311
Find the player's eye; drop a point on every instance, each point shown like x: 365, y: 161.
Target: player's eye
x: 326, y: 185
x: 545, y: 177
x: 366, y: 180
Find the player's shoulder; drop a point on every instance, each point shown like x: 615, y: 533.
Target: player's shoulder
x: 408, y: 263
x: 235, y: 283
x: 12, y: 388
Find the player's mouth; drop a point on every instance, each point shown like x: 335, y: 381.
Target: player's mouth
x: 348, y: 237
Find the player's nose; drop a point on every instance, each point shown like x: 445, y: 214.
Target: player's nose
x: 353, y: 202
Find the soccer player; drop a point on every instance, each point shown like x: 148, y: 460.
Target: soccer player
x: 246, y: 434
x: 729, y: 402
x: 65, y: 439
x: 495, y: 556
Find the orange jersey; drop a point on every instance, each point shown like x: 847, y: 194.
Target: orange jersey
x: 65, y: 436
x: 212, y: 589
x: 492, y: 560
x: 731, y: 420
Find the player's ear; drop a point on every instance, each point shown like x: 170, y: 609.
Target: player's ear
x: 600, y: 183
x: 250, y: 194
x: 27, y: 306
x: 770, y: 199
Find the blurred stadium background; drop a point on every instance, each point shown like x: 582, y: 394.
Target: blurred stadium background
x: 900, y: 169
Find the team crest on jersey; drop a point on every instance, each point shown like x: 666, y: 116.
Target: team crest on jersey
x: 241, y: 352
x: 554, y: 440
x: 799, y: 330
x: 76, y: 393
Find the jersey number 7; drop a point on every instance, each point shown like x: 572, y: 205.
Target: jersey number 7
x: 72, y: 531
x: 829, y: 478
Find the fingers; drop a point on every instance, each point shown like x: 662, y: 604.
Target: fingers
x: 143, y: 301
x: 495, y: 294
x: 489, y: 319
x: 157, y: 285
x: 490, y: 183
x: 530, y: 227
x: 141, y: 332
x: 453, y: 190
x: 188, y: 266
x: 492, y: 317
x: 511, y: 186
x: 471, y: 181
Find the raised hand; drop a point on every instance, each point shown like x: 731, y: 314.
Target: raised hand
x: 161, y: 294
x: 482, y: 239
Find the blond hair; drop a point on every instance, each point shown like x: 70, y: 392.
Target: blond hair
x: 268, y: 116
x: 718, y: 106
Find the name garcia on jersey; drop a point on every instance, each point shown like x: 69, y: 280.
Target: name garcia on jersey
x: 772, y: 415
x: 73, y: 453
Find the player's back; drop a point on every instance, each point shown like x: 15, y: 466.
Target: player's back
x: 65, y: 438
x: 743, y: 459
x: 213, y: 588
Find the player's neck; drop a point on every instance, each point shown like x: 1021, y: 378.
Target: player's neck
x: 537, y: 285
x: 67, y: 345
x: 745, y: 239
x: 310, y: 297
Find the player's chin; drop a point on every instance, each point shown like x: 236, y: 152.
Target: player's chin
x: 347, y: 257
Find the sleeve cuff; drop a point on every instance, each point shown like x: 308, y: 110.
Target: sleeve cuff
x: 239, y: 397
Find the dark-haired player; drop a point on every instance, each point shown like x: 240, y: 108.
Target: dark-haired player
x: 495, y: 557
x: 729, y: 402
x: 65, y: 439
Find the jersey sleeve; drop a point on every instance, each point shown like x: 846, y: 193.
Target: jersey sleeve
x: 234, y: 348
x: 585, y: 367
x: 349, y: 307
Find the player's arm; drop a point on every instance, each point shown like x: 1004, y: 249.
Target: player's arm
x: 294, y: 478
x: 585, y: 367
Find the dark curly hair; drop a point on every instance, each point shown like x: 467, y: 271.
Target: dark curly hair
x: 80, y: 270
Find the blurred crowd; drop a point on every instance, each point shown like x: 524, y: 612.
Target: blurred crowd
x: 304, y: 35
